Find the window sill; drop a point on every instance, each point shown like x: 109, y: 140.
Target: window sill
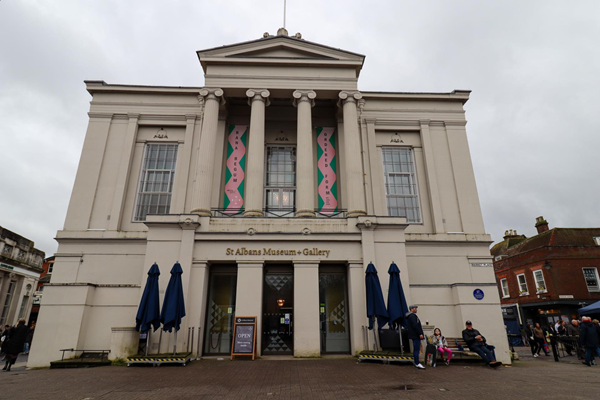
x: 541, y: 291
x: 505, y: 297
x: 524, y: 294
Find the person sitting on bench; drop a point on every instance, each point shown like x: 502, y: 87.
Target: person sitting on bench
x: 476, y: 343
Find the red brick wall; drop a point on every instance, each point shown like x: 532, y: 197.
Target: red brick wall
x: 565, y: 277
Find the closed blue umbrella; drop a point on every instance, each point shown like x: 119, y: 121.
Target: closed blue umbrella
x: 173, y: 309
x: 375, y: 304
x: 397, y: 306
x: 148, y: 314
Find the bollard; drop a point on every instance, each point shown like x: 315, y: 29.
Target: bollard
x: 554, y: 347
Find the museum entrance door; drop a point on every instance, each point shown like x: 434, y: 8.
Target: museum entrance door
x: 278, y: 311
x: 333, y: 310
x: 220, y: 309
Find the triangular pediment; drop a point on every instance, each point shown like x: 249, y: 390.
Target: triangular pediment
x: 280, y: 49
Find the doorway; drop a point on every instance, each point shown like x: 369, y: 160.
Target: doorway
x: 220, y: 310
x: 278, y: 311
x: 333, y: 310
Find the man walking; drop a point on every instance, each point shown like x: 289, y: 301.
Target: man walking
x: 476, y: 343
x: 415, y: 333
x: 588, y: 337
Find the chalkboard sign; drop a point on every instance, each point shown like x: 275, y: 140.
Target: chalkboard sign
x: 244, y: 337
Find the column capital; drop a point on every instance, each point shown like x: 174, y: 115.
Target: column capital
x: 258, y: 95
x: 350, y: 96
x: 304, y: 95
x: 212, y: 94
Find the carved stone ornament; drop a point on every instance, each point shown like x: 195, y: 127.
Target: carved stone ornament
x: 304, y: 95
x: 212, y: 94
x: 306, y: 231
x: 368, y: 223
x: 251, y: 231
x: 350, y: 96
x: 258, y: 95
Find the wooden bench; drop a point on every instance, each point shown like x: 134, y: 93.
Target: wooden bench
x: 454, y: 344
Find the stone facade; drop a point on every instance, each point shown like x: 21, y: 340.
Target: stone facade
x: 20, y: 268
x: 287, y: 182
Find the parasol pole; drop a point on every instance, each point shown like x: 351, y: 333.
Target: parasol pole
x: 147, y: 337
x: 175, y: 344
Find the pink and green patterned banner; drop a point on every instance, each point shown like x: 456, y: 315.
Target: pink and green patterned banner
x: 236, y: 164
x: 326, y: 164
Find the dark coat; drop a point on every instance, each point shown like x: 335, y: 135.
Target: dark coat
x: 469, y: 338
x: 588, y: 335
x: 414, y: 326
x: 16, y: 339
x: 573, y: 330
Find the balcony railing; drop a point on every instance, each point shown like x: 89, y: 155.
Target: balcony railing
x: 277, y: 213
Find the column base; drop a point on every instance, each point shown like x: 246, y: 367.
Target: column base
x: 355, y: 213
x: 203, y: 212
x: 305, y: 212
x: 253, y: 213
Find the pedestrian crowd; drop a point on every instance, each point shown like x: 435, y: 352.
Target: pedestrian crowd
x: 576, y: 336
x: 15, y: 340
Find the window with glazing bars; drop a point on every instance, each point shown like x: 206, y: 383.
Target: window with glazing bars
x: 401, y: 183
x: 156, y: 180
x: 280, y: 179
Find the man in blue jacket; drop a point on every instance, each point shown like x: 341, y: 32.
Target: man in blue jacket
x: 476, y: 343
x: 589, y: 338
x: 415, y: 333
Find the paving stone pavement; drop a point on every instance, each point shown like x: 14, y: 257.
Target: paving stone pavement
x: 327, y: 378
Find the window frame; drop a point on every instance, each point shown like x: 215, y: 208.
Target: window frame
x: 413, y: 182
x: 526, y: 291
x: 282, y: 211
x: 597, y: 289
x: 535, y: 280
x: 143, y: 171
x: 505, y: 294
x: 597, y: 240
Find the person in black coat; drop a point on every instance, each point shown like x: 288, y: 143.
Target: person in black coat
x: 589, y: 338
x: 415, y: 333
x: 476, y: 343
x: 16, y: 341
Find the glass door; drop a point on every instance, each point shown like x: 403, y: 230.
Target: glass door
x: 333, y: 310
x: 221, y: 310
x: 278, y: 311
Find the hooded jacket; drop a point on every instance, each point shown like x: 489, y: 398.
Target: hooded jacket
x: 414, y: 326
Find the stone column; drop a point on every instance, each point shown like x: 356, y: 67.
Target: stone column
x: 307, y: 334
x: 206, y: 153
x: 258, y: 100
x: 305, y: 166
x: 353, y: 157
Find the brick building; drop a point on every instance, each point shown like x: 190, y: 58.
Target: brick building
x: 47, y: 267
x: 548, y: 276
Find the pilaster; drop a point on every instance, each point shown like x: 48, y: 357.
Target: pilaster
x: 307, y: 340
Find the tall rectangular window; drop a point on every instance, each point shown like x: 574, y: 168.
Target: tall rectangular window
x: 522, y: 284
x: 23, y: 306
x: 504, y: 286
x: 401, y: 183
x: 280, y: 180
x: 7, y: 301
x: 156, y: 180
x: 591, y: 279
x: 540, y: 284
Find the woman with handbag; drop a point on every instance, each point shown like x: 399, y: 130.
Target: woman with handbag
x: 539, y: 337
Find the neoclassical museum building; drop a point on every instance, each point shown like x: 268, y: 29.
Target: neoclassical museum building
x: 273, y: 186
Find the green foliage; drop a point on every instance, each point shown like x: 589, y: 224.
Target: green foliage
x: 120, y: 362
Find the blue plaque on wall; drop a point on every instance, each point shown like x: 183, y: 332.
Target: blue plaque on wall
x: 478, y: 294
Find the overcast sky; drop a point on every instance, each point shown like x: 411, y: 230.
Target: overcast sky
x: 533, y: 67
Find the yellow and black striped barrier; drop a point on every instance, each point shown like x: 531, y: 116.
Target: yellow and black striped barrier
x: 384, y: 357
x: 156, y: 361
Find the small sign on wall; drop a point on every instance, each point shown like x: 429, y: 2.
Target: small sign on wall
x: 478, y: 294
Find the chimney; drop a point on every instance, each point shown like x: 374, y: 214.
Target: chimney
x: 510, y: 234
x: 541, y: 224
